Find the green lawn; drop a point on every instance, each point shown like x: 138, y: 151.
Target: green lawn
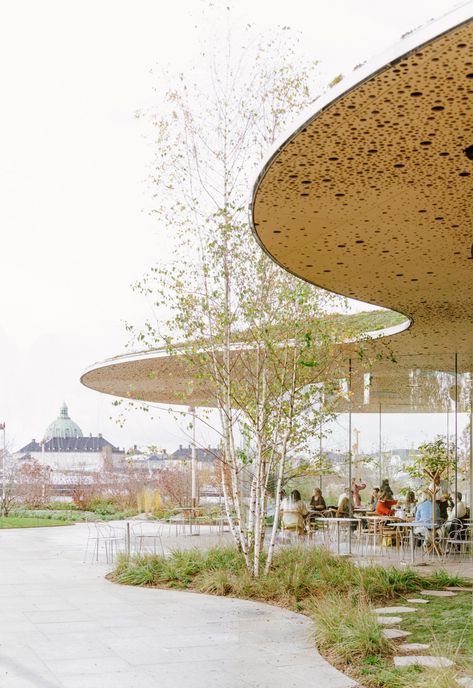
x: 17, y: 522
x: 447, y: 624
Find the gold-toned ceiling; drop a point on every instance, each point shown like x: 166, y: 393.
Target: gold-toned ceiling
x: 372, y: 196
x: 154, y: 376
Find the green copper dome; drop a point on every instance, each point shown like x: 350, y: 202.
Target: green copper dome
x: 63, y: 426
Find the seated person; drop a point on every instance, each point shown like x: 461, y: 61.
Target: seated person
x: 317, y: 502
x: 385, y: 489
x: 374, y: 498
x: 442, y: 501
x: 385, y: 504
x: 410, y: 502
x: 294, y: 512
x: 455, y: 513
x: 424, y: 517
x: 343, y: 509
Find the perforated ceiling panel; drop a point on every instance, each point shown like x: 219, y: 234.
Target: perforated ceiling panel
x: 372, y: 197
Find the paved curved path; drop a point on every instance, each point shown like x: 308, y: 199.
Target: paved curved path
x: 63, y: 625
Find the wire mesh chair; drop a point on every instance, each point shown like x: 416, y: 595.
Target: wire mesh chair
x: 146, y: 540
x: 103, y: 539
x: 456, y: 540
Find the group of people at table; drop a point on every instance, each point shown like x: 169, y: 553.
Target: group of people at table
x: 450, y: 510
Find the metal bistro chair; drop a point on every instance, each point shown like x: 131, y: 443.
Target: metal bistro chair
x: 292, y: 534
x: 369, y: 536
x: 177, y: 524
x: 147, y: 540
x: 457, y: 540
x: 103, y: 538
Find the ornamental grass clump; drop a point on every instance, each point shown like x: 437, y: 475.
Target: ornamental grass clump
x: 437, y: 678
x: 378, y: 583
x: 298, y: 575
x: 347, y: 629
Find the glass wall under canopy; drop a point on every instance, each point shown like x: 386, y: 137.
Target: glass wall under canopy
x: 394, y: 406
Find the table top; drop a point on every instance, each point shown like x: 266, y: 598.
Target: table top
x: 334, y: 519
x: 405, y: 524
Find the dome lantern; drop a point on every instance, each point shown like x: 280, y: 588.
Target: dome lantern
x: 63, y: 426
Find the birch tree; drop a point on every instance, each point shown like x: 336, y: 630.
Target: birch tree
x: 260, y: 337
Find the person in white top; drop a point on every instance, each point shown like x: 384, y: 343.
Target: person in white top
x: 459, y: 511
x: 344, y: 495
x: 294, y: 512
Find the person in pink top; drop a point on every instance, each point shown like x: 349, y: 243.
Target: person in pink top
x: 356, y: 488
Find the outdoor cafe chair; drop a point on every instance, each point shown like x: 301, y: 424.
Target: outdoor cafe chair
x: 146, y: 540
x: 103, y: 538
x: 177, y: 524
x: 457, y: 541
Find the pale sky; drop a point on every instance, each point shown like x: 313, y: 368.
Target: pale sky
x: 73, y: 163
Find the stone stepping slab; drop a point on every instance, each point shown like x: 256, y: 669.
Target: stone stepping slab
x: 395, y: 610
x: 414, y: 647
x: 389, y: 620
x: 423, y: 660
x: 465, y: 681
x: 438, y: 593
x: 460, y: 588
x: 417, y: 600
x: 395, y: 633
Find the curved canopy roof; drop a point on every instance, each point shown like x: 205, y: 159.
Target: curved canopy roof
x: 371, y: 196
x: 410, y: 384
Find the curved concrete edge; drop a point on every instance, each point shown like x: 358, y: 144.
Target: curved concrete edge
x: 65, y: 626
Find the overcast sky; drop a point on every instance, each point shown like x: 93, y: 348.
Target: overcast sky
x: 73, y: 163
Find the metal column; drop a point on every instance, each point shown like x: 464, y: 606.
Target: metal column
x: 380, y: 450
x: 350, y: 496
x: 456, y: 433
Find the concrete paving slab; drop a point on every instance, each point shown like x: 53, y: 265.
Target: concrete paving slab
x: 465, y: 681
x: 68, y: 627
x: 395, y: 633
x: 414, y: 647
x: 389, y: 620
x: 423, y: 660
x: 438, y: 593
x: 459, y: 588
x: 417, y: 600
x: 395, y: 610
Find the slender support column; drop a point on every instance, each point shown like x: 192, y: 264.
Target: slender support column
x: 4, y: 451
x: 380, y: 451
x: 448, y: 442
x: 350, y: 496
x: 456, y: 433
x: 320, y: 456
x: 193, y: 471
x: 471, y: 452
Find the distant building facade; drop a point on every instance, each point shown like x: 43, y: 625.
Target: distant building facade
x: 181, y: 458
x: 64, y: 448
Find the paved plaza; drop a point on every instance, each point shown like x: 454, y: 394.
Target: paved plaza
x: 64, y: 625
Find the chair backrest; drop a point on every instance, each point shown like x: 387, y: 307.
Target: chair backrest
x: 455, y: 525
x: 458, y: 530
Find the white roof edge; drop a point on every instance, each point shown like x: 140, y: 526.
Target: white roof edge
x: 163, y: 353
